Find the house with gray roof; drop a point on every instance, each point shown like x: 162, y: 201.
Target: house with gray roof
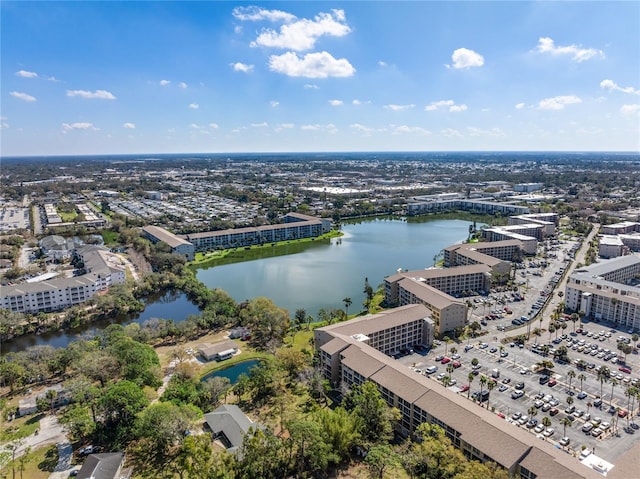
x: 229, y: 425
x: 106, y: 465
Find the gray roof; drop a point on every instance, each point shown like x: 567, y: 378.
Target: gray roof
x: 229, y: 420
x: 101, y: 466
x: 165, y: 236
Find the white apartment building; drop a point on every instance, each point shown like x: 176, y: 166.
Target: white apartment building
x: 603, y: 291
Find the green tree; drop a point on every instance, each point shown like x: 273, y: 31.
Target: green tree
x: 122, y: 401
x: 571, y: 374
x: 347, y: 302
x: 262, y: 456
x: 268, y: 322
x: 307, y: 447
x: 374, y: 419
x: 163, y: 425
x: 381, y: 458
x: 339, y: 431
x: 78, y: 421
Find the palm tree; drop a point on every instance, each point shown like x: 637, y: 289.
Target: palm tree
x: 614, y: 383
x: 569, y: 400
x: 483, y: 381
x: 571, y: 374
x: 470, y: 377
x: 552, y: 329
x: 589, y: 404
x: 630, y: 392
x: 581, y: 377
x: 453, y: 350
x: 546, y: 422
x: 603, y: 376
x: 446, y: 381
x: 347, y: 302
x: 532, y: 411
x: 501, y: 351
x: 446, y: 340
x: 565, y: 422
x: 581, y: 315
x: 490, y: 386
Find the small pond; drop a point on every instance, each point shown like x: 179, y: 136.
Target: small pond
x: 233, y: 372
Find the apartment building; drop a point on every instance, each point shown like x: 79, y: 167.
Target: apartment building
x: 294, y: 226
x: 624, y: 227
x: 619, y: 239
x: 607, y: 290
x: 432, y: 288
x: 177, y: 244
x: 57, y: 294
x: 529, y: 243
x: 506, y: 250
x: 419, y: 205
x: 611, y: 246
x: 548, y: 221
x: 347, y: 359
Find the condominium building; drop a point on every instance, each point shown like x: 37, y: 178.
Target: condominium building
x: 57, y: 294
x: 624, y: 227
x: 347, y: 357
x: 607, y: 290
x: 506, y: 250
x: 419, y: 205
x: 548, y: 221
x: 501, y: 233
x: 619, y: 239
x: 177, y: 244
x: 294, y: 226
x: 611, y: 246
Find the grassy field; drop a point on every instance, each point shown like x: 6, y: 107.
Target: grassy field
x: 110, y: 237
x: 19, y: 428
x: 67, y: 217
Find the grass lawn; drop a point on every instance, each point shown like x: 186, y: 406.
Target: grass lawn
x: 67, y: 217
x: 110, y: 237
x: 19, y: 428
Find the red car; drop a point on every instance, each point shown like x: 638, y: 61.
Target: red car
x: 625, y: 369
x: 445, y: 360
x: 553, y: 411
x: 552, y: 382
x: 456, y: 364
x: 464, y: 388
x: 622, y: 413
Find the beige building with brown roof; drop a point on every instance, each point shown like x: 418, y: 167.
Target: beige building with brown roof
x: 347, y: 359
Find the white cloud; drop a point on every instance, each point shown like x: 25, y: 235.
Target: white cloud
x: 336, y: 102
x: 53, y: 79
x: 361, y: 128
x: 78, y: 126
x: 98, y: 94
x: 310, y: 86
x: 164, y: 82
x: 611, y: 85
x: 457, y: 108
x: 558, y: 102
x: 630, y: 109
x: 194, y: 126
x: 437, y: 104
x: 26, y: 74
x: 255, y: 14
x: 182, y: 85
x: 264, y: 124
x: 578, y: 54
x: 302, y: 34
x: 241, y: 67
x: 401, y: 129
x: 329, y: 128
x: 312, y: 65
x: 274, y: 103
x: 22, y: 96
x: 493, y: 132
x: 399, y: 107
x: 194, y: 106
x: 382, y: 63
x: 520, y: 106
x: 130, y: 126
x: 213, y: 126
x: 451, y: 133
x: 287, y: 125
x: 465, y: 58
x: 360, y: 102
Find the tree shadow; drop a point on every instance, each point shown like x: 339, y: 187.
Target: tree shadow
x: 50, y: 460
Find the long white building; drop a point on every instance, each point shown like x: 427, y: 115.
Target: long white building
x: 607, y: 290
x: 57, y: 294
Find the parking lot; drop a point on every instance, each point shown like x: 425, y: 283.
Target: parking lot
x: 581, y: 411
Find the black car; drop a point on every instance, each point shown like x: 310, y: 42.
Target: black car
x: 520, y: 385
x: 597, y: 402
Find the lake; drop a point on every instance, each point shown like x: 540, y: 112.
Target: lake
x: 308, y: 276
x: 322, y: 273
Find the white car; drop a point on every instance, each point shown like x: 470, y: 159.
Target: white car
x: 549, y: 432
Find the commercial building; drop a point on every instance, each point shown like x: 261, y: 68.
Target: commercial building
x: 607, y: 290
x: 57, y: 294
x: 611, y: 246
x: 513, y: 232
x: 177, y: 244
x: 348, y: 357
x: 619, y: 239
x: 527, y: 187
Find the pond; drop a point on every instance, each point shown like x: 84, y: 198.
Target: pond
x: 233, y: 372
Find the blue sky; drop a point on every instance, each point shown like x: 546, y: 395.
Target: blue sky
x: 165, y: 77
